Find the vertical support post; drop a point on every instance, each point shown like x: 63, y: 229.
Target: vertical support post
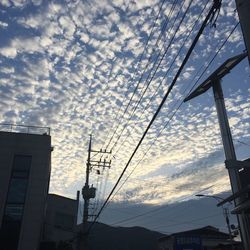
x: 243, y: 219
x: 82, y: 241
x: 243, y: 9
x: 86, y: 187
x: 226, y: 214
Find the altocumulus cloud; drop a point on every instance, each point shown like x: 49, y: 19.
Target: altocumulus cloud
x: 69, y: 64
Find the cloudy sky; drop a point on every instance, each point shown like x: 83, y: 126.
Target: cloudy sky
x: 102, y: 68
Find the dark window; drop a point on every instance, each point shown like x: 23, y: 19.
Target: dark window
x: 11, y: 225
x: 17, y: 190
x: 13, y: 212
x: 21, y: 166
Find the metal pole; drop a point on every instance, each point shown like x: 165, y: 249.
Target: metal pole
x: 243, y: 9
x: 226, y: 212
x: 229, y: 151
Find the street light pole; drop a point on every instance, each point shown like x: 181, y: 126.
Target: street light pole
x: 226, y: 213
x: 224, y: 210
x: 230, y: 155
x: 214, y: 81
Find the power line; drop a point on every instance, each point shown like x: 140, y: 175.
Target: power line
x: 213, y: 9
x: 165, y: 75
x: 179, y: 106
x: 190, y: 221
x: 157, y: 65
x: 134, y: 74
x: 243, y: 143
x: 160, y: 208
x: 148, y: 63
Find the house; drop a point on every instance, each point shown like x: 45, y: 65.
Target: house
x: 205, y: 238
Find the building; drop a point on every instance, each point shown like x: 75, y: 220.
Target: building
x: 25, y: 158
x: 206, y: 238
x: 60, y: 221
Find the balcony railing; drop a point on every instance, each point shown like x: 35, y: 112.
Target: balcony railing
x: 5, y: 127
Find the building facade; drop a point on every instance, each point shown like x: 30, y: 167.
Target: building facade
x: 25, y: 161
x: 60, y: 221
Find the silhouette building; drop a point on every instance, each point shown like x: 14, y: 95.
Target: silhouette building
x: 60, y: 221
x: 25, y: 159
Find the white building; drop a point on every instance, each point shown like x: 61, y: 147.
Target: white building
x: 24, y: 180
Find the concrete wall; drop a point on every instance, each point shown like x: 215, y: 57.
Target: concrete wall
x: 60, y: 230
x: 39, y: 147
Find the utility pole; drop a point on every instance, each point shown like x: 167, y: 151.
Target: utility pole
x: 86, y: 192
x: 90, y: 192
x: 243, y: 9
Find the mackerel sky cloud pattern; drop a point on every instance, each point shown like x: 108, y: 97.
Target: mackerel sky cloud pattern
x: 69, y: 64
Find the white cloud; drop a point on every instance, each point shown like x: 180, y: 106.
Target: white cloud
x: 7, y: 70
x: 3, y: 24
x: 6, y: 3
x: 8, y: 52
x: 74, y: 67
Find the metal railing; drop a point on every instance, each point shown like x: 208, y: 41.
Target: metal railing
x: 14, y: 128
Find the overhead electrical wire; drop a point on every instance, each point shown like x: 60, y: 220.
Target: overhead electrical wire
x: 211, y: 13
x: 99, y: 194
x: 243, y: 143
x: 103, y: 187
x: 179, y: 106
x: 139, y: 61
x: 102, y: 177
x: 165, y: 75
x: 95, y: 205
x: 163, y: 100
x: 189, y: 221
x: 157, y: 65
x: 177, y: 223
x: 154, y: 210
x: 147, y: 65
x: 107, y: 87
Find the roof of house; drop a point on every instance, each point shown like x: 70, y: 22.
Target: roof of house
x: 57, y: 196
x: 207, y: 232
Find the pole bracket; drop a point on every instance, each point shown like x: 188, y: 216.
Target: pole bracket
x: 235, y: 164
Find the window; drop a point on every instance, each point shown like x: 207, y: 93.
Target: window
x: 11, y: 225
x: 13, y: 212
x: 17, y: 190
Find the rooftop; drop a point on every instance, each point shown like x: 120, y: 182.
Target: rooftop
x: 206, y: 232
x: 14, y: 128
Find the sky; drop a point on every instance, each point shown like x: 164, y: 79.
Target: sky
x: 73, y: 66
